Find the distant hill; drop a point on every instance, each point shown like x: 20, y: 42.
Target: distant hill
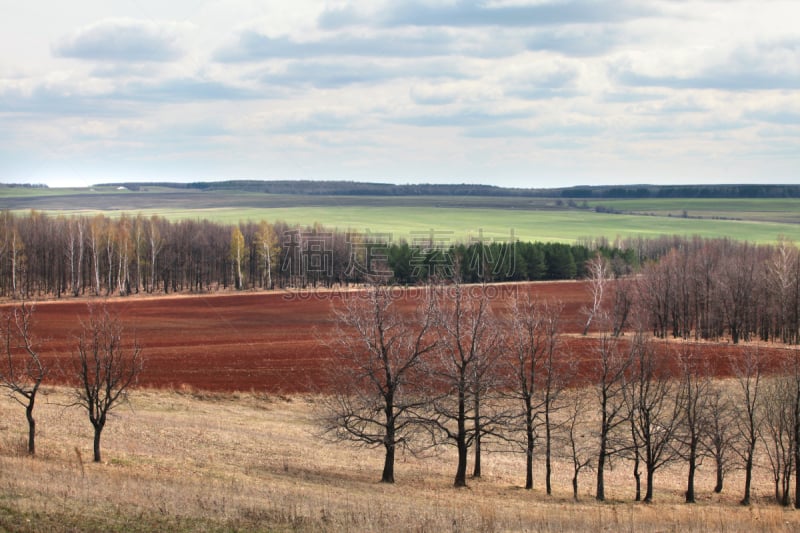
x: 354, y: 188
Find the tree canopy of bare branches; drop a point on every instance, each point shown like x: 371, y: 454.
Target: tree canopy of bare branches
x: 23, y: 369
x: 655, y: 407
x: 463, y: 370
x: 611, y: 364
x: 106, y: 365
x: 378, y: 384
x: 531, y: 341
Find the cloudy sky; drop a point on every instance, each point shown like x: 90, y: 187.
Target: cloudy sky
x: 531, y: 93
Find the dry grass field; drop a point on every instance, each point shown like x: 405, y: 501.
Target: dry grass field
x: 190, y: 461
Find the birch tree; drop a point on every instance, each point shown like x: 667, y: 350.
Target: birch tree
x: 237, y: 252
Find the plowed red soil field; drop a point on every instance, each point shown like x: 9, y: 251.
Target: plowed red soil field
x: 265, y: 341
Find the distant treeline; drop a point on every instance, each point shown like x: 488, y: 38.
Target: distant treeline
x: 23, y: 185
x: 353, y: 188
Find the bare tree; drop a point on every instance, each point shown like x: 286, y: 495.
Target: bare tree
x: 598, y: 276
x: 17, y: 257
x: 268, y: 249
x: 623, y: 290
x: 467, y: 353
x: 484, y: 386
x: 580, y: 449
x: 610, y: 368
x: 737, y: 279
x: 721, y: 436
x: 655, y: 408
x: 379, y: 349
x: 97, y: 230
x: 237, y: 256
x: 23, y: 370
x: 749, y: 373
x: 777, y: 432
x: 695, y: 390
x: 783, y: 284
x: 74, y: 252
x: 106, y: 367
x: 532, y: 342
x: 553, y: 383
x: 156, y: 242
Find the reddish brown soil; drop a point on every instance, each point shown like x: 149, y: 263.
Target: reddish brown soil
x: 260, y: 341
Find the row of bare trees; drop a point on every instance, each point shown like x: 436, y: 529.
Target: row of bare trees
x: 721, y: 288
x: 63, y: 256
x: 447, y: 366
x: 103, y: 366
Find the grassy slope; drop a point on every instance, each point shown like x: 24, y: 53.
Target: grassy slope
x: 189, y: 462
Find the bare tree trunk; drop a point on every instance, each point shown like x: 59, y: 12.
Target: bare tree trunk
x: 637, y: 476
x: 96, y: 262
x: 31, y: 425
x: 598, y: 275
x: 748, y: 479
x: 13, y: 263
x: 71, y: 257
x: 600, y: 493
x: 110, y: 257
x: 476, y: 468
x: 388, y: 463
x: 269, y: 268
x: 720, y: 479
x: 648, y: 497
x: 98, y: 429
x: 79, y: 277
x: 530, y: 441
x: 461, y: 444
x: 690, y: 498
x: 547, y: 451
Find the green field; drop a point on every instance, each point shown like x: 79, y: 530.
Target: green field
x: 462, y: 223
x: 452, y: 217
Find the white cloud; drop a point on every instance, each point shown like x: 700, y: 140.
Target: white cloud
x: 763, y: 66
x: 123, y: 40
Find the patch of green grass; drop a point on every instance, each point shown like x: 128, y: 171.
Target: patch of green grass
x: 768, y: 209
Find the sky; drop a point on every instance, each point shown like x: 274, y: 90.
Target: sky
x: 520, y: 93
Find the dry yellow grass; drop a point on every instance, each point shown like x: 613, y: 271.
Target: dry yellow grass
x: 189, y: 462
